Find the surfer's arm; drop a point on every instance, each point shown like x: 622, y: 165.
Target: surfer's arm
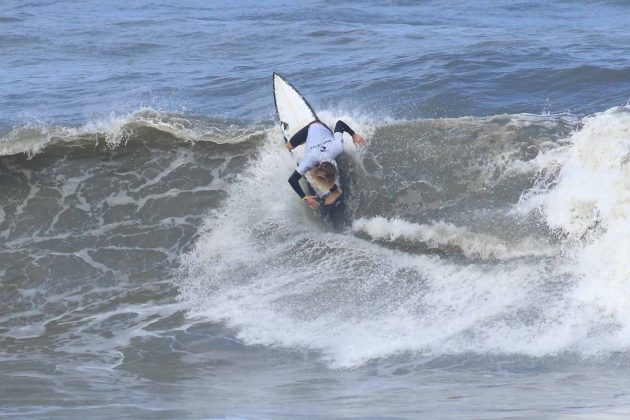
x: 294, y: 180
x: 342, y: 127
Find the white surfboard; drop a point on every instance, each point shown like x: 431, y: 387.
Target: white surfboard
x: 293, y: 110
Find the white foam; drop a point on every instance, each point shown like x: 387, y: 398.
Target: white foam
x: 592, y: 185
x: 443, y: 235
x: 267, y: 269
x: 588, y: 201
x: 27, y: 331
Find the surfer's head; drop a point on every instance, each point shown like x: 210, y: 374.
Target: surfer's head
x: 325, y: 172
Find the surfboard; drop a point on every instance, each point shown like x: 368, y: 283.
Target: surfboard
x: 293, y: 110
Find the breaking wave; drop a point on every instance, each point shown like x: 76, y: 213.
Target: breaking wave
x: 495, y: 235
x: 115, y: 130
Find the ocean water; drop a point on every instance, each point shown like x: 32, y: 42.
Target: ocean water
x: 155, y: 263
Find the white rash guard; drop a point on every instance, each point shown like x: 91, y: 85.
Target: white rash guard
x: 321, y: 145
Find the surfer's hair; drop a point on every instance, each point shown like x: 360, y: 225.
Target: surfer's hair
x: 326, y: 171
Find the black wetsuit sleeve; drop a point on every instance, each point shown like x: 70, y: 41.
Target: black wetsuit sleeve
x: 294, y: 180
x: 299, y: 137
x: 342, y: 127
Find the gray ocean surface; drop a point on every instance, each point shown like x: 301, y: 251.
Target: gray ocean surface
x: 155, y: 263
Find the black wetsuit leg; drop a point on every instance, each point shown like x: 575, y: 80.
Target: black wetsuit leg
x: 299, y: 137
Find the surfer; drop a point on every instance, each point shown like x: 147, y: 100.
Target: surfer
x: 322, y: 148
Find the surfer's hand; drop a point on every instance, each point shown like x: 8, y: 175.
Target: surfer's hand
x: 358, y: 139
x: 311, y: 201
x: 289, y: 145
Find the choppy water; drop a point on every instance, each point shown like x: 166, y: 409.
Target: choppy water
x: 154, y: 262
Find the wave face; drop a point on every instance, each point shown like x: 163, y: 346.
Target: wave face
x: 92, y: 222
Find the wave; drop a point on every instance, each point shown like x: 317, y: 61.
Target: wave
x: 544, y: 237
x: 528, y: 215
x: 141, y: 124
x: 268, y: 268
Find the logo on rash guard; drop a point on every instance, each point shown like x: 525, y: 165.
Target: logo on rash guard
x: 323, y: 146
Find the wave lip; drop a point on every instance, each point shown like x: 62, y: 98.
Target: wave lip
x: 113, y: 131
x: 589, y: 183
